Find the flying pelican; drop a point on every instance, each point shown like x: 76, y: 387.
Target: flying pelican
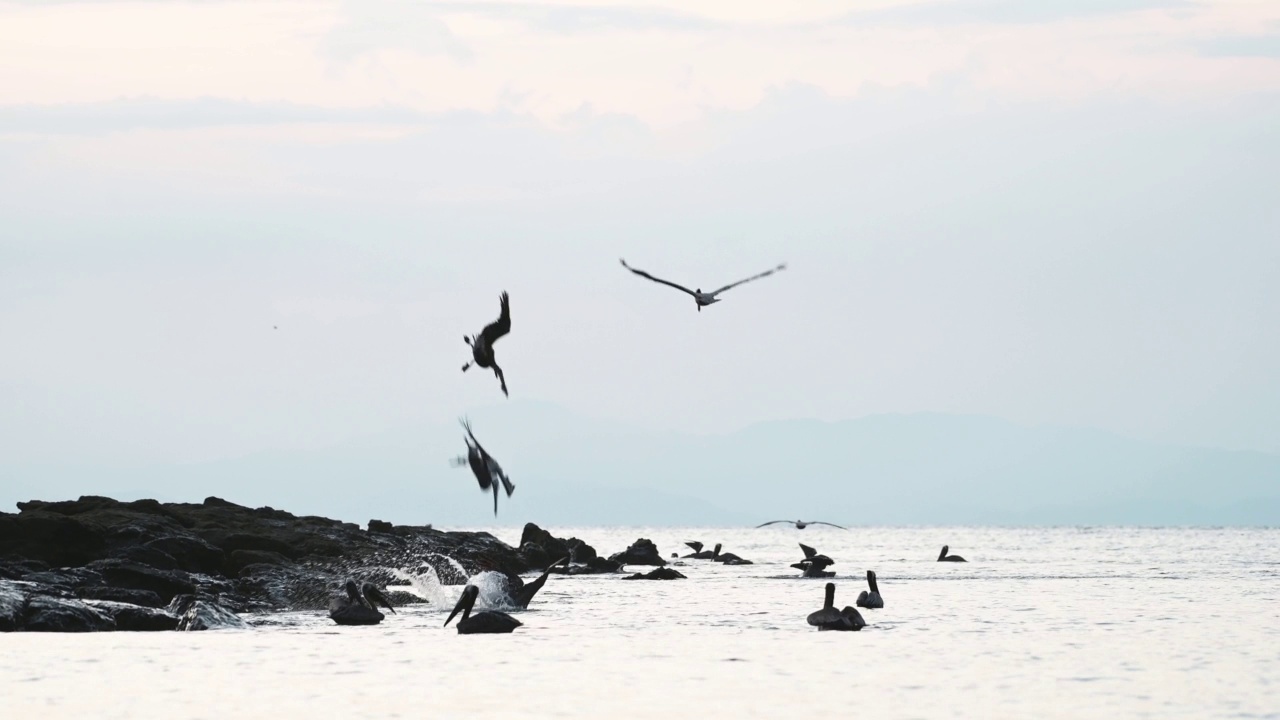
x: 702, y: 299
x: 359, y: 606
x: 487, y: 621
x: 801, y: 524
x: 487, y: 470
x: 828, y: 618
x: 482, y: 344
x: 944, y: 557
x: 870, y: 600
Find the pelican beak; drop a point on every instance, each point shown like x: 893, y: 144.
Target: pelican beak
x: 465, y: 602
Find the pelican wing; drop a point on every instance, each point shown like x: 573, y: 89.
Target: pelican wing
x: 766, y: 273
x: 819, y: 522
x: 697, y: 546
x: 774, y: 522
x: 502, y: 325
x: 808, y: 551
x: 646, y: 275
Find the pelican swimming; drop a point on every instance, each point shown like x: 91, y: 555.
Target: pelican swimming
x: 700, y: 554
x: 828, y: 618
x: 487, y: 621
x: 944, y: 557
x: 700, y: 298
x: 487, y: 470
x: 814, y: 565
x: 870, y: 600
x: 800, y: 524
x: 359, y: 606
x: 482, y: 344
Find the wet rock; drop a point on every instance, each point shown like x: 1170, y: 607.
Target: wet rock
x: 597, y: 566
x: 134, y: 618
x: 13, y: 603
x: 44, y: 613
x: 641, y: 552
x: 381, y: 526
x: 145, y: 598
x: 658, y: 574
x: 201, y: 614
x: 53, y: 539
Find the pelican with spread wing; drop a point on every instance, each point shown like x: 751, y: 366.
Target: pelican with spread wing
x: 801, y: 524
x: 702, y: 298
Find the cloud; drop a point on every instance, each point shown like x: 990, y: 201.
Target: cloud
x: 956, y: 12
x: 167, y: 114
x: 1251, y: 46
x: 380, y: 25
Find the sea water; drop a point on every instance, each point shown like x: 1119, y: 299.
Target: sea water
x: 1040, y: 623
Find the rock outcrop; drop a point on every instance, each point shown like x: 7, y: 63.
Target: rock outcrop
x: 100, y: 564
x: 641, y: 552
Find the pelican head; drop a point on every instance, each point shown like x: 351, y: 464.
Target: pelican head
x: 465, y: 603
x: 374, y: 596
x: 717, y: 550
x: 353, y: 592
x: 943, y: 554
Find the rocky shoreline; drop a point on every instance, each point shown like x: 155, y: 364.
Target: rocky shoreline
x: 97, y: 564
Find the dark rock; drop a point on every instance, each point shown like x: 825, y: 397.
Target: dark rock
x: 597, y: 566
x: 50, y: 538
x: 190, y: 553
x: 232, y: 542
x: 534, y: 556
x: 381, y: 526
x: 641, y: 552
x: 166, y: 584
x: 241, y: 559
x: 133, y: 618
x: 553, y: 547
x: 657, y: 574
x: 17, y: 568
x: 581, y: 552
x: 212, y: 501
x: 145, y: 598
x: 143, y: 555
x: 44, y: 613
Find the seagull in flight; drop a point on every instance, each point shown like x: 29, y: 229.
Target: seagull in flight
x: 482, y: 344
x: 699, y: 297
x: 801, y: 524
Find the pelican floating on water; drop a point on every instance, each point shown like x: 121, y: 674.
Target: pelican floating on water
x: 700, y: 554
x: 702, y: 299
x: 801, y: 524
x: 944, y: 557
x: 484, y: 622
x: 814, y: 565
x: 828, y: 618
x: 359, y: 606
x: 482, y: 344
x: 487, y: 470
x: 870, y: 600
x: 521, y: 593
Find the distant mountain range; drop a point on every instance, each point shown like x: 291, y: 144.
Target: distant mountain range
x: 571, y: 470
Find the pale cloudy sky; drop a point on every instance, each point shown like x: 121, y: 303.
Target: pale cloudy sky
x: 1052, y: 211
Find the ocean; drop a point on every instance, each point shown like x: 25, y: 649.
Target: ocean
x: 1040, y: 623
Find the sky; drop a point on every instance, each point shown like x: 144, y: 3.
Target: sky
x: 230, y: 228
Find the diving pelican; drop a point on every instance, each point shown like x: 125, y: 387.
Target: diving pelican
x: 482, y: 344
x: 487, y: 470
x: 700, y: 298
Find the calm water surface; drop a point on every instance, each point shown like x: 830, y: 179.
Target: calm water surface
x: 1159, y: 623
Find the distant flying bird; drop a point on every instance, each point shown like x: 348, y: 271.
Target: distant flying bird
x: 487, y: 470
x: 482, y: 344
x: 944, y: 557
x: 700, y: 297
x: 801, y: 524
